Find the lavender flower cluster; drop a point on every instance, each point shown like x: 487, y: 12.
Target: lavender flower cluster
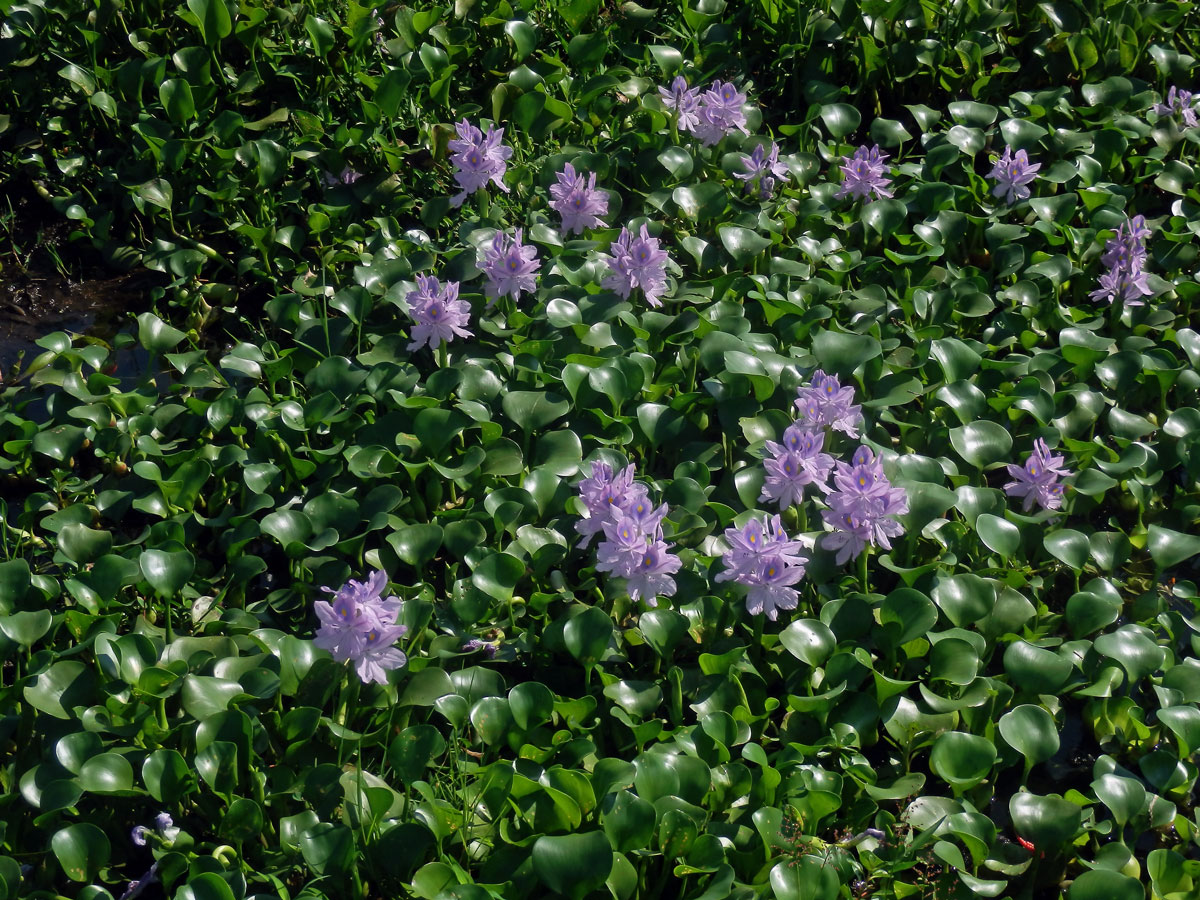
x: 1125, y: 256
x: 767, y: 562
x: 1038, y: 480
x: 620, y: 509
x: 863, y: 507
x: 711, y: 115
x: 1013, y: 176
x: 359, y: 626
x: 1179, y: 103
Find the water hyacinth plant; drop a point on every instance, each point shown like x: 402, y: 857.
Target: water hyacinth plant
x: 864, y: 174
x: 438, y: 314
x: 1038, y: 481
x: 764, y: 560
x: 1125, y: 256
x: 619, y: 672
x: 511, y: 267
x: 636, y: 263
x: 763, y: 170
x: 1013, y: 175
x: 863, y: 507
x: 478, y: 159
x: 1180, y: 105
x: 576, y: 198
x: 360, y: 627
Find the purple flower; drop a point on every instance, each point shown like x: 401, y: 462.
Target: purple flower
x: 139, y: 834
x: 1179, y: 102
x: 720, y: 113
x: 578, y: 201
x: 639, y: 556
x: 862, y: 507
x: 438, y: 313
x: 511, y: 266
x: 478, y: 159
x: 607, y: 497
x: 683, y: 101
x: 1125, y: 255
x: 1037, y: 481
x: 824, y: 402
x: 795, y: 464
x: 764, y: 559
x: 865, y: 173
x: 766, y: 169
x: 360, y: 626
x: 771, y: 589
x: 636, y: 263
x: 1013, y: 174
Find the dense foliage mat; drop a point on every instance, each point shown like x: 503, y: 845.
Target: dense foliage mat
x: 942, y: 254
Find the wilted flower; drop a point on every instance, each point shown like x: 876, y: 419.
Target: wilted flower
x: 1038, y: 480
x: 137, y: 886
x: 1125, y: 255
x: 824, y: 402
x: 478, y: 159
x: 164, y: 825
x: 636, y: 263
x: 511, y: 266
x: 1013, y: 175
x: 139, y: 835
x: 764, y: 559
x: 347, y: 176
x: 795, y: 464
x: 488, y: 647
x: 360, y: 626
x: 578, y: 201
x: 865, y: 173
x: 720, y: 113
x: 1179, y: 102
x: 862, y: 507
x: 438, y: 313
x: 766, y: 169
x: 683, y: 101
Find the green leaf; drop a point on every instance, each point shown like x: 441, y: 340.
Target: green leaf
x: 1000, y: 535
x: 81, y: 544
x: 1125, y: 797
x: 809, y: 640
x: 663, y: 629
x: 962, y: 760
x: 108, y: 773
x: 167, y: 776
x: 532, y: 410
x: 840, y: 353
x: 840, y: 119
x: 153, y: 333
x: 497, y: 575
x: 176, y: 97
x: 320, y: 33
x: 808, y: 878
x: 214, y: 21
x: 587, y: 634
x: 629, y: 823
x: 1103, y: 884
x: 1047, y: 822
x: 573, y: 865
x: 26, y: 628
x: 1071, y: 547
x: 1035, y: 669
x: 982, y: 443
x: 58, y: 690
x: 1031, y: 731
x: 742, y: 243
x: 82, y: 850
x: 167, y: 572
x: 576, y: 13
x: 417, y: 544
x: 242, y: 822
x: 883, y: 216
x: 1170, y: 548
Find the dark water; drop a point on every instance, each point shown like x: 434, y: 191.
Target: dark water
x: 34, y: 304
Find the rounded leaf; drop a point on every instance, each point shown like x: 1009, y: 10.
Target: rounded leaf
x: 1030, y: 730
x: 962, y: 760
x: 82, y: 850
x: 573, y: 864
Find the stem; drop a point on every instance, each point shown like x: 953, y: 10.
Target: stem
x: 862, y: 569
